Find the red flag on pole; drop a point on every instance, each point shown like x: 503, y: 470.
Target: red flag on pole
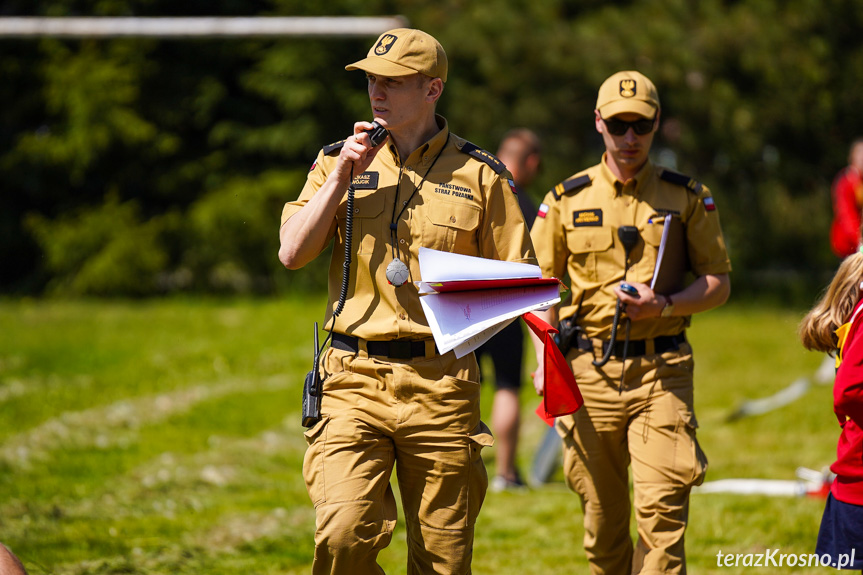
x: 561, y: 395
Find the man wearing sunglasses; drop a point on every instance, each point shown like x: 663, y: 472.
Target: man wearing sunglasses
x: 621, y: 220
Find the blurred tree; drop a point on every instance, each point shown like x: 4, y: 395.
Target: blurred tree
x: 193, y: 138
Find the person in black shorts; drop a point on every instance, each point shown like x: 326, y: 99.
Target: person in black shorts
x: 520, y: 151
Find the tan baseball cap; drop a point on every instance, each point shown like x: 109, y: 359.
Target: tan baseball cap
x: 402, y: 52
x: 627, y: 92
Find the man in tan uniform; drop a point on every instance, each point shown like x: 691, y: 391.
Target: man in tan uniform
x: 389, y: 398
x: 638, y: 409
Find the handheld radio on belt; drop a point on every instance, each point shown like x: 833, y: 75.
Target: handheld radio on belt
x: 313, y: 387
x: 629, y: 238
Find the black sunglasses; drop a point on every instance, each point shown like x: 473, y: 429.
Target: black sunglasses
x: 619, y: 127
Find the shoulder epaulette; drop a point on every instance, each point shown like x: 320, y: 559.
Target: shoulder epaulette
x: 566, y: 186
x: 334, y: 147
x: 681, y: 180
x: 480, y: 154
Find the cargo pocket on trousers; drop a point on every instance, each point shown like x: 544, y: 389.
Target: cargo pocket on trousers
x: 313, y: 462
x: 573, y: 465
x: 691, y: 461
x: 478, y: 479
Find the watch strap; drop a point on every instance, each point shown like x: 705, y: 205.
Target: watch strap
x: 668, y: 308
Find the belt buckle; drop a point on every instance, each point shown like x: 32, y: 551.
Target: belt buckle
x: 400, y: 349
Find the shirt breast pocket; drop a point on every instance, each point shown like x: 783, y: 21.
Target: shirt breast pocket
x: 451, y: 226
x: 652, y: 235
x: 586, y: 246
x: 368, y: 225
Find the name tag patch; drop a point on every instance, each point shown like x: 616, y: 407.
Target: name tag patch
x: 587, y: 218
x: 659, y: 216
x: 366, y: 181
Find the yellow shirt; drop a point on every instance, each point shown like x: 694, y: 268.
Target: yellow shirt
x: 576, y: 233
x: 465, y: 205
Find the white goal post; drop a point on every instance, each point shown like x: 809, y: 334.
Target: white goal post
x: 200, y: 27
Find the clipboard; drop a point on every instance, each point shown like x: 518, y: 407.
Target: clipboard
x: 672, y: 263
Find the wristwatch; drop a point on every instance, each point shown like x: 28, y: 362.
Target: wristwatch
x: 668, y: 308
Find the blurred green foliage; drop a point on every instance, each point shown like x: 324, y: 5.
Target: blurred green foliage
x: 102, y: 250
x: 164, y: 164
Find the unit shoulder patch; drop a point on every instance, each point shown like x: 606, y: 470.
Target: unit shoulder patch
x: 681, y: 180
x: 571, y: 185
x: 334, y: 147
x: 480, y: 154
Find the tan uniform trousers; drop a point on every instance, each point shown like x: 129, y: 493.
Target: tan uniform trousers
x: 649, y: 424
x: 421, y: 415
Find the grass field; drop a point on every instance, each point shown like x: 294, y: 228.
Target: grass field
x: 164, y: 437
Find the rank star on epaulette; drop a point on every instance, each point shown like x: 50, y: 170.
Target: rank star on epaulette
x: 334, y: 147
x: 571, y: 185
x: 480, y: 154
x: 681, y: 180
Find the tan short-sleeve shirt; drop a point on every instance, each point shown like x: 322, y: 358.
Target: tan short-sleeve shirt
x: 576, y: 233
x: 465, y: 204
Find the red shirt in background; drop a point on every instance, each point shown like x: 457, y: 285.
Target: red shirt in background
x: 847, y: 203
x: 848, y: 406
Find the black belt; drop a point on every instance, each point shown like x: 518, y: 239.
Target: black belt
x: 394, y: 348
x: 637, y: 347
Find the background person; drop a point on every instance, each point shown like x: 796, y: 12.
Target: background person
x: 638, y: 411
x: 520, y: 150
x: 834, y: 325
x: 847, y: 192
x: 9, y: 564
x: 389, y: 398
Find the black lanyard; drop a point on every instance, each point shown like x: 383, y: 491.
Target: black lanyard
x: 395, y: 218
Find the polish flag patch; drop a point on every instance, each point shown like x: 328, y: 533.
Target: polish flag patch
x: 512, y: 186
x: 543, y: 210
x: 314, y: 165
x: 709, y: 205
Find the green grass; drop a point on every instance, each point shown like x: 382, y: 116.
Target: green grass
x: 164, y: 437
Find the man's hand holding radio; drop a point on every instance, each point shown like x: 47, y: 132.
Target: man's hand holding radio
x: 359, y: 150
x: 644, y: 303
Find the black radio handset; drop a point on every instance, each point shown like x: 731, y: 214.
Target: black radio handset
x: 628, y: 238
x: 377, y: 134
x: 313, y: 387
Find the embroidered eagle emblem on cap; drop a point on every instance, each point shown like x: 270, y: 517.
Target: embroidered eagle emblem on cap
x: 384, y: 44
x: 627, y: 88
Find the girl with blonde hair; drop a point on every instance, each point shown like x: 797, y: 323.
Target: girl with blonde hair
x: 835, y: 325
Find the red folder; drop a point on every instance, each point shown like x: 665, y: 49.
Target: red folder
x: 467, y: 285
x: 561, y: 395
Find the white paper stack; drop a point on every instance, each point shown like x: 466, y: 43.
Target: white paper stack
x: 468, y: 299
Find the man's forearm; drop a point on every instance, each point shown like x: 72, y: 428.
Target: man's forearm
x: 305, y: 234
x: 706, y: 292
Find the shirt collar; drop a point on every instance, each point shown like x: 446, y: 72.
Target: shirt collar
x: 426, y: 153
x: 634, y: 185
